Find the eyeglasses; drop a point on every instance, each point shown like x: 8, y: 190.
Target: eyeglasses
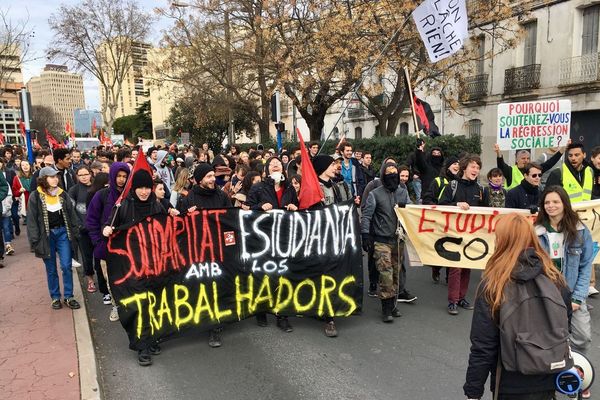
x: 536, y: 175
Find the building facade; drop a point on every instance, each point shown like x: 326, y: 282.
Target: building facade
x: 59, y: 90
x: 558, y: 57
x: 11, y: 77
x: 134, y: 89
x: 83, y: 121
x: 9, y: 124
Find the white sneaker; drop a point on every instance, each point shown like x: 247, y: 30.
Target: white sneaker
x: 592, y: 291
x: 76, y: 263
x: 106, y: 299
x: 114, y: 314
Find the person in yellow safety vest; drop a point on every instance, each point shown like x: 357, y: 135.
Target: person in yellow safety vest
x: 575, y: 176
x: 514, y: 175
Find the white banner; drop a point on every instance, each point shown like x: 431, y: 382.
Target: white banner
x: 443, y: 26
x: 534, y: 124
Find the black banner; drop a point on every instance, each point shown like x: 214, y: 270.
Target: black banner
x: 168, y: 274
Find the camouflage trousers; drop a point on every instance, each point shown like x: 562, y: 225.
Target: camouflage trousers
x: 387, y: 260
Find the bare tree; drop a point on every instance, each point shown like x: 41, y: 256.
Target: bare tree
x: 99, y: 37
x: 43, y: 118
x: 15, y: 37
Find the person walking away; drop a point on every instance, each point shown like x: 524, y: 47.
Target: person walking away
x: 379, y: 217
x: 51, y: 229
x: 518, y: 267
x: 570, y: 246
x: 465, y: 193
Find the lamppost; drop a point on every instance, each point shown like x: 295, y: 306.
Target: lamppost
x: 228, y: 67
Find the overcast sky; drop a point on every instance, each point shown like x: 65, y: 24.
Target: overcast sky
x: 37, y: 12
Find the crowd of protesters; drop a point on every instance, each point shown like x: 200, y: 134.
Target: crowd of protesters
x: 66, y: 200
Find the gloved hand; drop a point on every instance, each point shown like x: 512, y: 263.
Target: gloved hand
x: 533, y: 209
x: 367, y: 243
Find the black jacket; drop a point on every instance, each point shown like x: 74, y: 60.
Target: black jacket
x: 525, y: 196
x: 470, y: 192
x: 596, y: 187
x: 130, y: 213
x: 485, y: 342
x: 430, y: 166
x: 264, y: 192
x: 204, y: 198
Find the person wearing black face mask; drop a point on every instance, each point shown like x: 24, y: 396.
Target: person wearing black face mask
x: 430, y: 166
x: 379, y: 219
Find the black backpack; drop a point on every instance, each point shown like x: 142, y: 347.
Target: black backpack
x: 534, y: 328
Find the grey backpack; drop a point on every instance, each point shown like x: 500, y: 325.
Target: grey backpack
x: 534, y: 328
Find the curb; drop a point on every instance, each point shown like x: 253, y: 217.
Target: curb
x: 86, y: 355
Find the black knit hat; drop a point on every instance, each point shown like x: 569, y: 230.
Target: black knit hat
x: 141, y: 179
x: 321, y: 163
x: 201, y: 170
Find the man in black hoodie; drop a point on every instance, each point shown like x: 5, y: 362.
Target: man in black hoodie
x: 430, y: 166
x: 205, y: 195
x: 380, y: 221
x: 526, y: 196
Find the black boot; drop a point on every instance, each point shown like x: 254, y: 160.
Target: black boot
x: 395, y: 311
x: 144, y: 358
x: 386, y: 310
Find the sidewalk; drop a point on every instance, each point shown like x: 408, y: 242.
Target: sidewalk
x: 39, y: 357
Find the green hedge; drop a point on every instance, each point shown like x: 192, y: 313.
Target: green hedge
x: 398, y: 146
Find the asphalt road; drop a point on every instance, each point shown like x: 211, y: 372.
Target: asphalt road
x: 422, y: 355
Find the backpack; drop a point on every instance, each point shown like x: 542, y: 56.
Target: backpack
x: 534, y: 328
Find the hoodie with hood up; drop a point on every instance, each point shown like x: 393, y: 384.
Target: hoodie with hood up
x: 100, y: 208
x: 165, y: 173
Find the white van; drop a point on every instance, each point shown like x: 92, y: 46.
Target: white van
x: 85, y: 144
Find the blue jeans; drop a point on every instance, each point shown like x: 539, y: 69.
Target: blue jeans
x: 7, y: 228
x: 59, y: 243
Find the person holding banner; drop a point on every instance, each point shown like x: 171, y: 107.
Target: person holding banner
x: 514, y: 174
x: 206, y: 195
x: 139, y: 204
x: 379, y: 223
x: 518, y: 261
x: 570, y: 246
x: 274, y: 192
x: 464, y: 193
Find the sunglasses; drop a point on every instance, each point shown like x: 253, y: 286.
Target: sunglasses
x: 536, y: 175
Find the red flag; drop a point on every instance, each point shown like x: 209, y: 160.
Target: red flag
x: 52, y: 141
x: 140, y: 164
x: 94, y: 127
x: 69, y: 130
x: 22, y: 127
x: 2, y: 138
x: 310, y: 190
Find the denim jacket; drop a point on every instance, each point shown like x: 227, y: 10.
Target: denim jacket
x: 577, y: 260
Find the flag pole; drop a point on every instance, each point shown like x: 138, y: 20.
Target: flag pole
x: 412, y: 100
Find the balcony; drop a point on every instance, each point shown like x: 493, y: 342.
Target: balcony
x: 581, y: 70
x: 355, y: 113
x: 522, y: 79
x: 475, y: 88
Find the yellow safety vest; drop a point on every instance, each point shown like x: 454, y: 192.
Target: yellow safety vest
x: 442, y: 182
x: 517, y: 177
x: 573, y: 188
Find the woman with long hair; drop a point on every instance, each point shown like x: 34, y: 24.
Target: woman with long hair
x: 52, y: 227
x: 181, y: 186
x: 518, y: 259
x: 571, y: 248
x: 240, y: 198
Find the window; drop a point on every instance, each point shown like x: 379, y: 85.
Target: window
x: 481, y: 54
x: 358, y: 132
x: 404, y: 129
x: 589, y: 36
x: 530, y: 42
x: 474, y: 127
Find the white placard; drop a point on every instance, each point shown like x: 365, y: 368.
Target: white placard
x: 443, y: 26
x: 534, y: 124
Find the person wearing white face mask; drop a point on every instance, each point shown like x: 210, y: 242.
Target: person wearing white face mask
x: 275, y: 192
